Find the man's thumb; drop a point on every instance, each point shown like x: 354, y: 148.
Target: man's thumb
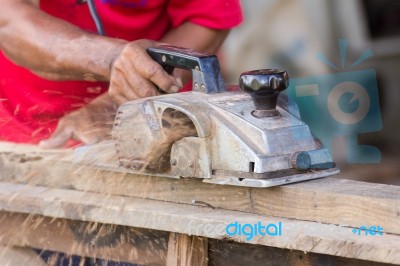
x: 57, y: 140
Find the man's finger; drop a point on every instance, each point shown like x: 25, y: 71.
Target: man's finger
x: 120, y: 91
x: 150, y: 70
x: 134, y: 85
x: 88, y: 138
x: 57, y: 140
x: 142, y: 88
x: 119, y: 99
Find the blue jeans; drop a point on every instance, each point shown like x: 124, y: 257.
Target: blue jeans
x: 65, y: 260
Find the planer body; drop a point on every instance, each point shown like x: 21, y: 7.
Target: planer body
x: 245, y: 135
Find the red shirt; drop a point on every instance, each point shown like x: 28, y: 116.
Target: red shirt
x: 31, y: 106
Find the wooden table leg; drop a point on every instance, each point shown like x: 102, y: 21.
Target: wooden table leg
x: 187, y: 250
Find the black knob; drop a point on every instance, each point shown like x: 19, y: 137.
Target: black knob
x: 264, y: 87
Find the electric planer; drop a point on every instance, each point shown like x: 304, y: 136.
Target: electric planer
x: 245, y: 135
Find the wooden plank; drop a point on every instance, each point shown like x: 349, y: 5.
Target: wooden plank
x: 328, y: 200
x: 334, y: 201
x: 225, y: 253
x: 196, y: 220
x: 134, y: 245
x: 54, y: 234
x: 187, y: 250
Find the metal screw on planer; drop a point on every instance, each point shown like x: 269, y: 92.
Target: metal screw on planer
x: 173, y: 162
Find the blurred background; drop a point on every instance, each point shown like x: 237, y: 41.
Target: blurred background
x: 303, y: 37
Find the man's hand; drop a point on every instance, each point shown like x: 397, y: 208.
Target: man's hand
x: 135, y: 74
x: 73, y: 54
x: 58, y: 50
x: 89, y: 124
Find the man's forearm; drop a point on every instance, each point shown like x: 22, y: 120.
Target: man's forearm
x: 196, y: 37
x: 54, y: 48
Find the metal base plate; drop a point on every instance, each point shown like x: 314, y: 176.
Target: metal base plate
x: 271, y: 182
x: 102, y: 156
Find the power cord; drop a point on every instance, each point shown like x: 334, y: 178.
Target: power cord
x: 95, y: 17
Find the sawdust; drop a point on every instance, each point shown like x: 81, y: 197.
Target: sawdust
x: 84, y: 239
x: 176, y: 126
x: 89, y: 236
x: 97, y: 234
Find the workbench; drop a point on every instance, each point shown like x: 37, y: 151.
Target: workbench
x: 49, y: 202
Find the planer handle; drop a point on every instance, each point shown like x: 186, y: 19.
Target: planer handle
x: 206, y: 72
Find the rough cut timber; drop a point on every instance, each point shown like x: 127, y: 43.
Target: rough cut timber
x: 325, y: 210
x: 192, y: 220
x: 327, y: 200
x: 26, y: 230
x: 147, y: 247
